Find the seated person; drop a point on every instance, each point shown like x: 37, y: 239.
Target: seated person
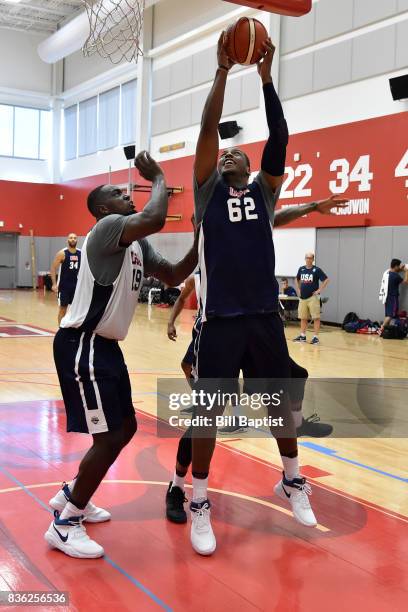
x: 287, y: 289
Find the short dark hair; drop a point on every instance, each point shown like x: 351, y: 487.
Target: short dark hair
x: 284, y: 280
x: 94, y: 199
x: 395, y: 263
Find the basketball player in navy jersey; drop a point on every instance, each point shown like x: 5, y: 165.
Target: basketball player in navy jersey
x: 241, y: 329
x: 92, y: 373
x: 175, y: 495
x: 69, y: 261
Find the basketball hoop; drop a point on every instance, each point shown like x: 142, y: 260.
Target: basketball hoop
x: 115, y: 29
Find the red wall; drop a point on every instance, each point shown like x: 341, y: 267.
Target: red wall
x: 383, y: 139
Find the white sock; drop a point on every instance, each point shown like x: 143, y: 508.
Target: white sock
x: 297, y: 417
x: 200, y: 489
x: 178, y: 481
x: 71, y: 510
x: 291, y: 467
x: 303, y: 334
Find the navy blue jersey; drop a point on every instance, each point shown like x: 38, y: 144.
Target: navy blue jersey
x: 290, y: 291
x: 309, y: 280
x: 394, y: 281
x: 69, y: 269
x: 236, y: 252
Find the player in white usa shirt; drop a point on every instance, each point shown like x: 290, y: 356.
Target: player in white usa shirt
x: 91, y: 369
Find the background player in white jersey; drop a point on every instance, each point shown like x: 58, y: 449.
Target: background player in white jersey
x: 68, y: 261
x: 92, y: 373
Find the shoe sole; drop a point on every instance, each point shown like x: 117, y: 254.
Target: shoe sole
x: 278, y: 491
x: 207, y: 553
x: 231, y: 433
x: 56, y: 506
x: 71, y: 552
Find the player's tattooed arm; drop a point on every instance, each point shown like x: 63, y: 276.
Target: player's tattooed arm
x: 153, y: 216
x: 58, y: 259
x: 179, y: 304
x: 207, y: 145
x: 284, y: 216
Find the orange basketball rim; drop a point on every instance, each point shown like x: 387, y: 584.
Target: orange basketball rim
x: 295, y: 8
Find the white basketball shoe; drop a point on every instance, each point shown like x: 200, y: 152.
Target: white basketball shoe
x: 297, y: 492
x: 92, y: 514
x: 69, y: 535
x: 202, y: 536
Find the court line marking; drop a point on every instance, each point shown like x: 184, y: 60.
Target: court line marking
x: 108, y: 560
x: 255, y: 500
x: 333, y: 453
x: 315, y: 482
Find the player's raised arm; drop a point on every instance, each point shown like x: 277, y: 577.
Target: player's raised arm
x: 274, y: 154
x: 153, y: 216
x: 207, y: 144
x: 58, y: 259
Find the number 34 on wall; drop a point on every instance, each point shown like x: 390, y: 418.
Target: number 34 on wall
x: 344, y: 174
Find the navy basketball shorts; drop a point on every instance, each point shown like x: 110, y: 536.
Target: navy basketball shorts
x: 253, y: 344
x: 65, y: 295
x: 391, y: 306
x: 94, y: 381
x: 189, y: 356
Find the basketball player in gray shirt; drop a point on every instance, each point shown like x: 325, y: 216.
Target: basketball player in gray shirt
x: 92, y: 373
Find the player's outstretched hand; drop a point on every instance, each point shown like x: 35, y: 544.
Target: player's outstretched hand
x: 265, y: 64
x: 171, y: 332
x: 325, y: 206
x: 148, y: 168
x: 222, y: 55
x: 54, y: 288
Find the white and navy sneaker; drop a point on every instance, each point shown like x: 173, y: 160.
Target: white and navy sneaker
x: 315, y: 340
x: 300, y: 338
x: 69, y: 536
x: 92, y: 514
x: 202, y: 536
x: 297, y: 492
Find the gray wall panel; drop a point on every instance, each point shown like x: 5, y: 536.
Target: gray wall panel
x: 161, y: 118
x: 297, y: 32
x: 333, y: 17
x: 351, y: 271
x: 378, y: 253
x: 204, y: 66
x: 161, y: 83
x: 43, y: 255
x: 232, y: 102
x: 400, y: 250
x: 402, y: 45
x: 172, y: 246
x: 180, y: 112
x: 374, y: 53
x: 402, y: 5
x: 369, y: 11
x: 250, y: 91
x: 332, y: 66
x: 327, y: 258
x: 296, y: 76
x: 198, y: 99
x: 181, y: 75
x: 23, y: 257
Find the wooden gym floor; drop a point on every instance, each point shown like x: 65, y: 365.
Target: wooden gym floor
x: 357, y: 556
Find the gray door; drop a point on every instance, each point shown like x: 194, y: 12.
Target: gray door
x: 8, y: 258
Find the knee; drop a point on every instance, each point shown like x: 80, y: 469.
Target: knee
x: 186, y: 367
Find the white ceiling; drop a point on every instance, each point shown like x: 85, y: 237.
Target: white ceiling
x: 37, y: 15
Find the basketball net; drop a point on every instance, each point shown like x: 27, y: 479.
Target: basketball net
x: 115, y: 29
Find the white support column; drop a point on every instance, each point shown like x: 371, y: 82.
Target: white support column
x: 144, y: 93
x: 56, y: 110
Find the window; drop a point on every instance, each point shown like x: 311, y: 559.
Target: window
x: 108, y: 124
x: 70, y: 121
x: 25, y: 132
x: 128, y: 131
x: 101, y: 122
x: 6, y: 130
x: 45, y: 134
x: 88, y: 122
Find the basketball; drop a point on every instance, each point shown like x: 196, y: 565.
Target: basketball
x: 244, y: 40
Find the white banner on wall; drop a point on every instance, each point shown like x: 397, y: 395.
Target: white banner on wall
x: 290, y: 248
